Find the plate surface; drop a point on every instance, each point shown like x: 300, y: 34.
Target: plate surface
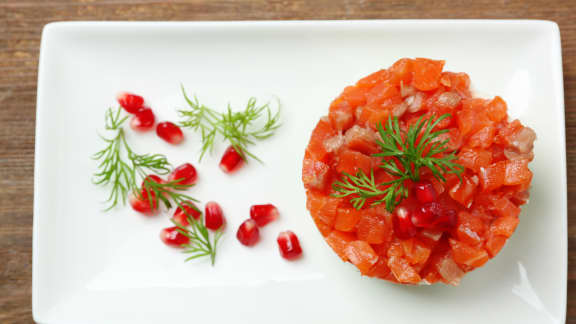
x: 96, y: 267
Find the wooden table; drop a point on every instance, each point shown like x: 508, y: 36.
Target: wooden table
x: 21, y: 23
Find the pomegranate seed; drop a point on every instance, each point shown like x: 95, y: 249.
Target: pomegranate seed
x: 172, y: 237
x: 213, y: 216
x: 403, y: 226
x: 426, y: 215
x: 141, y: 203
x: 263, y: 214
x: 181, y: 215
x: 130, y: 102
x: 231, y: 160
x: 185, y: 174
x: 425, y: 192
x: 143, y: 120
x: 154, y: 178
x: 289, y: 245
x: 248, y: 233
x: 169, y: 132
x: 447, y: 220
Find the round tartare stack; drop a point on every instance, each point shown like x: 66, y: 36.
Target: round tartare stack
x: 441, y: 222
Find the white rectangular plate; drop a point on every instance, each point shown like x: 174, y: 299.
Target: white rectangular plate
x: 96, y: 267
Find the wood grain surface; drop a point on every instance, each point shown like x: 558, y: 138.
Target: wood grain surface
x: 21, y: 23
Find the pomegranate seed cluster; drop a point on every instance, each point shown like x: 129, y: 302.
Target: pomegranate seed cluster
x: 146, y: 202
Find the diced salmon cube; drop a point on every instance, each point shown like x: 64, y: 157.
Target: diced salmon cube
x: 470, y: 228
x: 402, y: 270
x: 456, y: 81
x: 401, y: 71
x: 495, y: 243
x: 320, y: 134
x: 381, y: 92
x: 427, y: 74
x: 492, y: 177
x: 474, y: 159
x: 506, y: 208
x: 374, y: 226
x: 316, y: 175
x: 380, y: 269
x: 351, y: 162
x: 346, y: 219
x: 465, y: 254
x: 323, y: 207
x: 341, y: 114
x: 504, y: 226
x: 449, y: 270
x: 497, y: 109
x: 361, y: 139
x: 355, y: 96
x: 338, y: 242
x: 463, y: 191
x: 483, y: 138
x: 361, y: 255
x: 517, y: 172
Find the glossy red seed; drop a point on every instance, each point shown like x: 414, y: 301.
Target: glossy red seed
x: 142, y: 204
x: 181, y: 215
x: 172, y: 237
x: 425, y: 192
x: 185, y: 174
x: 248, y: 232
x: 263, y: 214
x: 143, y: 120
x: 169, y: 132
x: 213, y: 216
x: 231, y: 160
x: 130, y: 102
x: 289, y: 245
x: 152, y: 177
x: 446, y: 220
x: 403, y: 226
x: 426, y: 214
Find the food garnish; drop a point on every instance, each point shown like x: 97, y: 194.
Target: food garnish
x: 403, y: 154
x: 119, y: 166
x: 239, y: 128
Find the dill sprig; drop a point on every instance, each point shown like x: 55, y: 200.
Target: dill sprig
x: 403, y: 154
x: 202, y: 243
x: 239, y: 128
x: 363, y: 188
x: 121, y: 167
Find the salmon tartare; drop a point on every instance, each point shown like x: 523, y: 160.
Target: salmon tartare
x: 414, y: 180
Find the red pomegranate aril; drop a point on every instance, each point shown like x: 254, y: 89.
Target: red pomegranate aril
x: 172, y: 237
x: 289, y: 245
x: 446, y: 220
x: 426, y: 214
x: 181, y: 215
x: 152, y: 177
x: 248, y: 232
x: 141, y: 203
x: 231, y: 160
x: 130, y: 102
x: 403, y: 226
x: 185, y: 174
x: 213, y: 216
x: 169, y: 132
x: 263, y: 214
x: 143, y: 120
x: 425, y: 192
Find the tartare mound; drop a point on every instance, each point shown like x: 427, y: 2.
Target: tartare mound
x: 442, y: 229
